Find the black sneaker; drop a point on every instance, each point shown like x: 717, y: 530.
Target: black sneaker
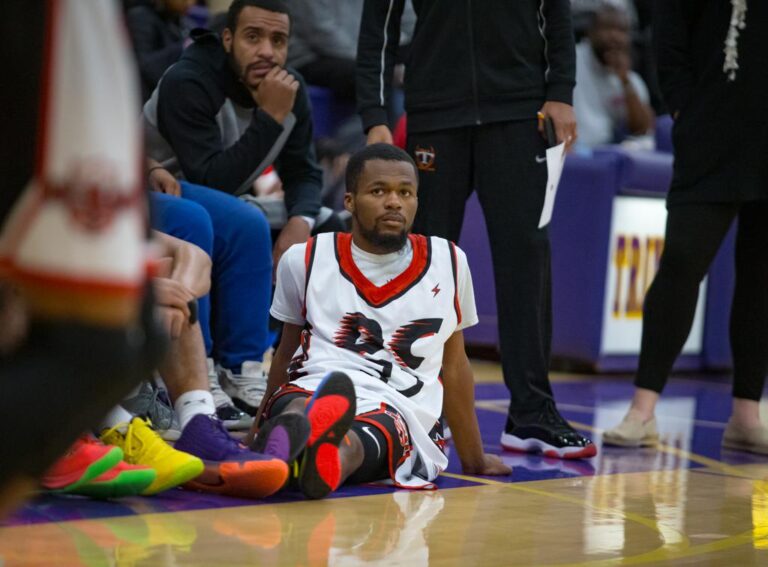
x: 549, y: 434
x: 283, y: 436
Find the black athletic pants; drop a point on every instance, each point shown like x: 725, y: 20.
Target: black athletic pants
x: 499, y: 160
x: 694, y: 234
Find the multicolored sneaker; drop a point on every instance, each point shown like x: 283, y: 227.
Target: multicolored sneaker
x: 142, y: 445
x: 119, y: 481
x: 330, y: 412
x: 230, y: 468
x: 85, y: 460
x: 283, y: 437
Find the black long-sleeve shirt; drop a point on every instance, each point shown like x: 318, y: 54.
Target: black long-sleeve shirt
x: 721, y: 131
x: 470, y: 62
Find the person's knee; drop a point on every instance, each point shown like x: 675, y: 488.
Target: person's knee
x: 187, y: 221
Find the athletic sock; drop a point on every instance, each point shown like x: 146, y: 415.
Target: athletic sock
x: 194, y: 402
x: 116, y: 416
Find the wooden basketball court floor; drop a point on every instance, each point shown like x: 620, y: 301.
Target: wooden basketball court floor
x: 686, y: 502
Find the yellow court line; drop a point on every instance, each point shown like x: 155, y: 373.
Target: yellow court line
x: 681, y: 453
x: 673, y: 538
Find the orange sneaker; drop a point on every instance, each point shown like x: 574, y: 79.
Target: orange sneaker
x: 85, y: 460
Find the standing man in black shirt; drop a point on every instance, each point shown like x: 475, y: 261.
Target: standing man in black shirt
x: 478, y: 73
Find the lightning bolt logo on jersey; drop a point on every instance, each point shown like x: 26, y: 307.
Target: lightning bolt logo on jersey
x: 389, y: 339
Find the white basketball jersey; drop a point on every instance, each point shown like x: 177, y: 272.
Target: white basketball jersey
x: 388, y: 339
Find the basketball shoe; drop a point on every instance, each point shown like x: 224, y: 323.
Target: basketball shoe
x: 142, y: 445
x: 283, y: 437
x: 246, y: 388
x: 330, y: 412
x: 85, y: 460
x: 229, y: 467
x: 121, y: 480
x: 548, y: 434
x: 232, y: 418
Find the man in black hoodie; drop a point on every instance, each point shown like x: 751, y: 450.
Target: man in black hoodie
x: 229, y: 108
x: 478, y: 73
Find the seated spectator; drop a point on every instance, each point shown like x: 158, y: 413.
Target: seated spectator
x: 159, y: 32
x: 373, y: 407
x: 609, y: 97
x: 236, y: 236
x: 229, y: 108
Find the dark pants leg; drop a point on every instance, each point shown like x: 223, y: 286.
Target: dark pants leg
x: 693, y: 235
x: 511, y: 184
x: 500, y: 161
x: 749, y: 311
x: 446, y: 180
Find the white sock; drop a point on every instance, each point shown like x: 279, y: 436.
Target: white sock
x: 116, y: 416
x: 192, y: 403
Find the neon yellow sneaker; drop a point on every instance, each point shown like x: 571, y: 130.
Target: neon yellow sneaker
x: 142, y: 445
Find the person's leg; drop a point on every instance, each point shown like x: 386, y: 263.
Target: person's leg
x: 694, y: 233
x: 242, y: 276
x: 444, y: 158
x: 749, y: 316
x: 511, y: 183
x: 190, y: 222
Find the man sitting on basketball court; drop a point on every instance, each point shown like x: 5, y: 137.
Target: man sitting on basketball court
x: 372, y: 351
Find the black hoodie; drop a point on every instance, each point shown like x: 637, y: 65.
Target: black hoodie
x: 202, y: 115
x: 470, y: 61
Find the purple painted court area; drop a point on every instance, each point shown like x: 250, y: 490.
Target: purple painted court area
x: 691, y: 416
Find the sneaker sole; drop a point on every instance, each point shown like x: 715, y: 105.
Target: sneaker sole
x: 180, y: 474
x: 126, y: 483
x: 248, y: 479
x: 514, y: 443
x: 283, y: 437
x: 238, y: 424
x: 650, y: 441
x: 330, y: 412
x: 95, y: 470
x: 243, y: 406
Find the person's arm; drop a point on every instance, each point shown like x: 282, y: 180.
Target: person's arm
x: 677, y: 76
x: 459, y: 411
x: 560, y: 58
x: 376, y: 51
x: 278, y: 371
x: 640, y: 116
x: 152, y: 62
x: 189, y: 265
x: 186, y: 118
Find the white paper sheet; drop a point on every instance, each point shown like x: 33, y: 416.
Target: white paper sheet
x: 555, y: 162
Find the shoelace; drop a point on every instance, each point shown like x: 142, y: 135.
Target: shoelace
x: 150, y: 446
x: 148, y: 402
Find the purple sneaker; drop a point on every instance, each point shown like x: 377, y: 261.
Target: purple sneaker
x: 283, y: 436
x: 230, y: 468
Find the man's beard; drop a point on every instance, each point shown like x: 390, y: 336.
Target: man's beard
x: 386, y: 242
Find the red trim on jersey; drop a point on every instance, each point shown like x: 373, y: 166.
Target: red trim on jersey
x: 455, y: 266
x: 380, y: 296
x: 309, y: 257
x: 81, y: 285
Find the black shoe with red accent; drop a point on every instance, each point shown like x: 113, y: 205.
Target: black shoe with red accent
x: 548, y: 434
x: 330, y: 412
